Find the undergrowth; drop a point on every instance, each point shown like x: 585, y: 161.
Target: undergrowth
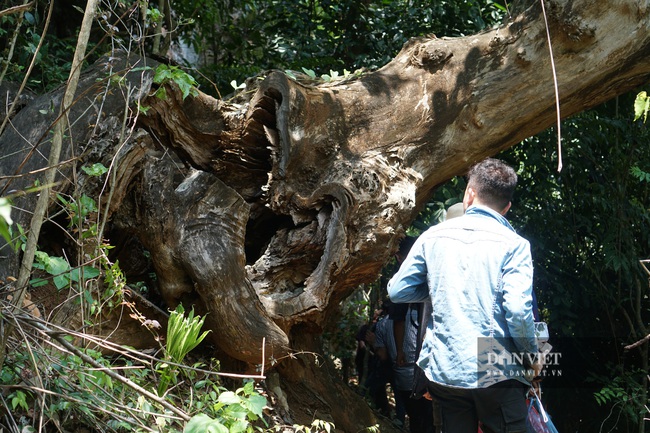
x: 55, y: 379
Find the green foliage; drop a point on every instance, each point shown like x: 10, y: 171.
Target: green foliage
x: 73, y: 388
x: 115, y: 284
x: 183, y: 80
x: 62, y: 273
x: 79, y: 394
x: 202, y: 423
x: 154, y: 16
x: 79, y: 210
x: 341, y: 335
x: 235, y: 409
x: 643, y: 176
x: 596, y: 208
x: 97, y: 169
x: 588, y: 229
x: 641, y: 106
x: 247, y: 37
x: 51, y: 62
x: 5, y: 220
x: 226, y: 411
x: 625, y: 392
x: 435, y: 210
x: 183, y: 335
x: 237, y: 39
x: 317, y: 426
x: 18, y: 399
x: 82, y: 213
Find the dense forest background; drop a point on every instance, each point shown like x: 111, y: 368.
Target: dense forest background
x: 587, y: 223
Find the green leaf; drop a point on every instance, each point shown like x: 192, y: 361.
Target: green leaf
x: 238, y: 426
x: 56, y: 265
x: 162, y: 74
x: 97, y: 169
x: 641, y: 106
x: 6, y: 222
x: 309, y: 72
x: 29, y: 18
x: 236, y: 412
x: 38, y: 282
x: 41, y: 258
x: 154, y: 15
x: 202, y: 423
x: 88, y: 272
x: 61, y: 281
x: 236, y: 86
x: 183, y: 80
x: 256, y: 404
x: 641, y: 175
x: 229, y: 397
x: 87, y: 205
x: 19, y: 399
x: 249, y: 387
x: 63, y: 200
x: 161, y: 93
x: 185, y: 88
x: 5, y: 232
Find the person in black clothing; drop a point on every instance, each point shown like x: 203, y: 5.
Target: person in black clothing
x: 378, y: 372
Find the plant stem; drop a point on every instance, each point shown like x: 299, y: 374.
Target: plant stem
x: 50, y: 175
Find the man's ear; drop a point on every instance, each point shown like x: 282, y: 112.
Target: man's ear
x: 468, y: 198
x: 506, y: 209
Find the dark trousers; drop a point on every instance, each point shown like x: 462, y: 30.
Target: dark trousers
x: 501, y: 408
x: 419, y: 411
x: 379, y: 374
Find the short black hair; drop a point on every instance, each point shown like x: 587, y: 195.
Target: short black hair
x: 494, y: 182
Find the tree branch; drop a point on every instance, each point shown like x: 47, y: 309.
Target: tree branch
x: 58, y: 336
x: 55, y: 153
x: 17, y: 9
x: 638, y: 343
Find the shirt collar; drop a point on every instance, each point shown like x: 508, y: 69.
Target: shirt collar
x: 486, y: 211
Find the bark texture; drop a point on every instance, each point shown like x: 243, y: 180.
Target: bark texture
x: 266, y: 211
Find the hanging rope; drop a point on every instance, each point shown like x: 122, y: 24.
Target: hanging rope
x: 557, y: 93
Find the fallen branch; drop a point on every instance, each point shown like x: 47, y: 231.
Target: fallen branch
x: 59, y: 334
x: 60, y: 338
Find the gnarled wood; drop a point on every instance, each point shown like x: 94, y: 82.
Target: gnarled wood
x: 267, y: 212
x: 333, y: 173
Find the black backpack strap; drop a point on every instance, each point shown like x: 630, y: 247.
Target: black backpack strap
x: 424, y: 312
x: 420, y: 381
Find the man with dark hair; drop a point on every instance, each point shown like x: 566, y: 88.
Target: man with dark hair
x: 477, y: 272
x: 494, y: 182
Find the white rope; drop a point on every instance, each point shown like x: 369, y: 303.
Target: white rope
x: 557, y: 92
